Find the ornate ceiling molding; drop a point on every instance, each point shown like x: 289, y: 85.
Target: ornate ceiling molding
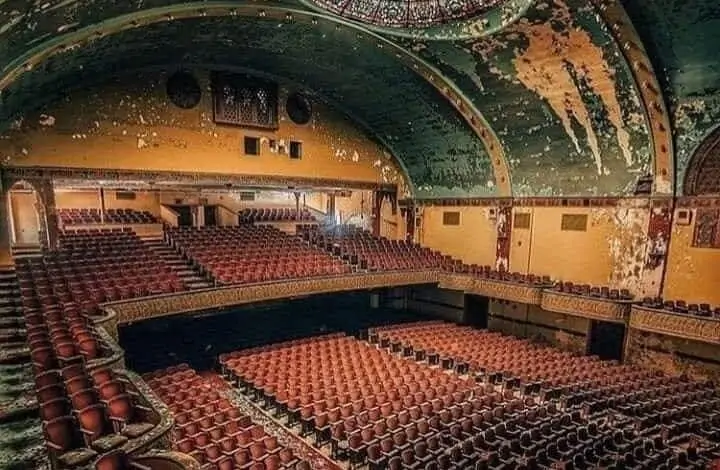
x: 656, y: 112
x: 468, y: 24
x: 474, y: 118
x: 10, y: 175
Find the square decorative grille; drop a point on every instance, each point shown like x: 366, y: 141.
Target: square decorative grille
x: 451, y: 218
x: 521, y: 220
x: 244, y: 101
x: 574, y: 222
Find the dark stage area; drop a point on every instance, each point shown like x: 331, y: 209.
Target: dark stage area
x: 198, y: 339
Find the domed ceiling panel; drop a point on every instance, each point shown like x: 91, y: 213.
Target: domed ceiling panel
x: 442, y: 155
x: 556, y: 89
x: 682, y: 38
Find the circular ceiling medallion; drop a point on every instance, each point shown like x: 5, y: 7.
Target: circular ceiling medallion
x: 183, y: 90
x: 298, y: 108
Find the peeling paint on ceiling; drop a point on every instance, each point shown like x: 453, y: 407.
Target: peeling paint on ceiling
x: 682, y: 38
x: 441, y: 153
x: 554, y: 87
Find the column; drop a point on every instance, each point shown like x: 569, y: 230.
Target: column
x: 48, y: 213
x: 5, y: 214
x: 331, y: 206
x: 410, y: 223
x: 504, y: 231
x: 101, y: 195
x: 378, y: 197
x: 297, y: 205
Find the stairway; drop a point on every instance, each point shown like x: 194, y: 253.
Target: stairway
x: 26, y: 250
x: 192, y: 277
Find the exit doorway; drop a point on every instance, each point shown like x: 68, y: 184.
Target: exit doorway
x: 606, y: 340
x: 476, y: 310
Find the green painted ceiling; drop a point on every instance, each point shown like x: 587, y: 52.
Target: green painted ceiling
x: 440, y: 152
x: 553, y: 85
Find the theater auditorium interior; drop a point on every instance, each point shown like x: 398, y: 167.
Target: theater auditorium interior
x: 359, y: 234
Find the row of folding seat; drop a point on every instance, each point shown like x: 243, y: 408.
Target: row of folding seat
x: 89, y: 416
x: 212, y: 430
x: 230, y: 256
x: 642, y: 404
x: 275, y: 214
x: 73, y: 216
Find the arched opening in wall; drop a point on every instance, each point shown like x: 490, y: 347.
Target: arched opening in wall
x: 24, y: 215
x: 702, y: 177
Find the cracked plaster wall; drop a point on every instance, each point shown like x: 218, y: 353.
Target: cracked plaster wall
x: 557, y: 90
x: 610, y: 253
x: 131, y: 124
x: 693, y: 274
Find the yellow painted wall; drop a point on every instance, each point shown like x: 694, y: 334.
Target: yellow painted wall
x: 611, y: 252
x: 693, y: 274
x: 520, y: 243
x: 25, y: 218
x: 130, y: 124
x: 144, y: 200
x: 473, y: 241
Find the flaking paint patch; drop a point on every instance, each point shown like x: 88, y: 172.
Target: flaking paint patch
x: 627, y: 243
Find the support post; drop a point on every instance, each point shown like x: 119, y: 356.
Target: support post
x: 101, y: 194
x: 297, y: 205
x: 5, y: 214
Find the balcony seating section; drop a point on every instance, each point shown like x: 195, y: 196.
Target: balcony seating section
x: 86, y: 415
x: 649, y: 419
x: 249, y: 254
x: 681, y: 306
x: 377, y: 408
x: 487, y: 272
x: 109, y: 216
x: 91, y: 267
x: 276, y: 214
x: 360, y: 248
x: 211, y: 429
x: 587, y: 290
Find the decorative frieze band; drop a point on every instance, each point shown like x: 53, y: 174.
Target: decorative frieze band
x: 663, y: 322
x: 587, y: 307
x: 502, y: 290
x: 16, y: 173
x: 171, y: 304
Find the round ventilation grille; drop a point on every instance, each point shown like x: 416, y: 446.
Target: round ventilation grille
x: 298, y: 108
x: 183, y: 90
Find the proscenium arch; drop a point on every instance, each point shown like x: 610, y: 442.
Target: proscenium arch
x: 467, y: 111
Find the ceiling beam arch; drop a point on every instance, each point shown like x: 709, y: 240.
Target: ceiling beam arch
x: 80, y: 38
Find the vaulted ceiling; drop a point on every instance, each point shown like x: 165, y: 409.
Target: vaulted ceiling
x: 553, y: 82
